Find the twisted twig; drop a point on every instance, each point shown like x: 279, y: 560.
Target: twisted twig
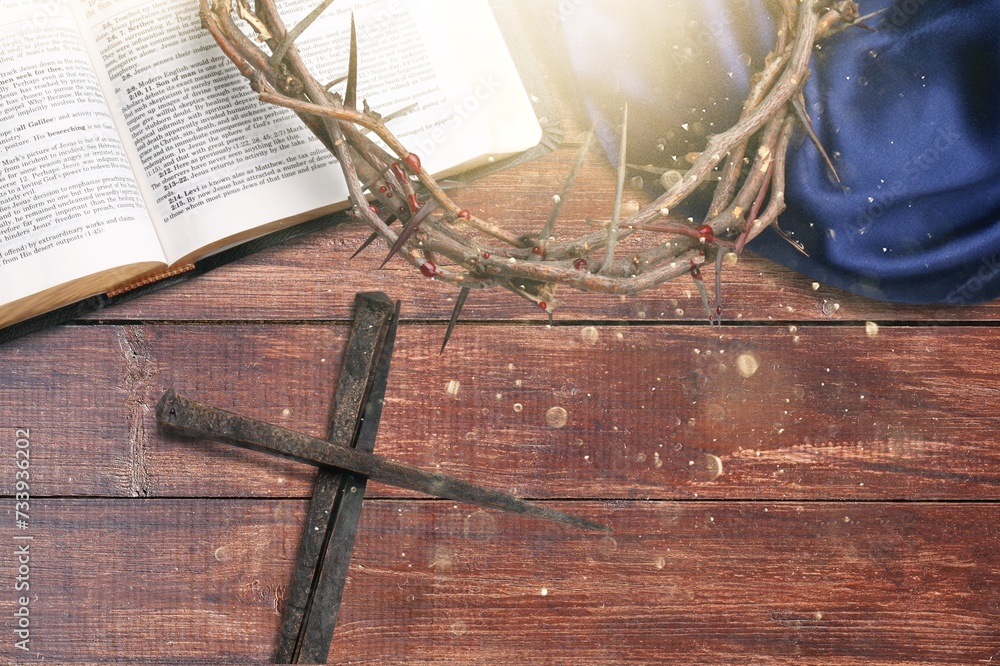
x: 454, y: 245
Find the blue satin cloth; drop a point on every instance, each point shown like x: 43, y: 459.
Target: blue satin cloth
x: 909, y: 113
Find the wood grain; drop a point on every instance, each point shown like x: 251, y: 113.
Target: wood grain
x: 798, y: 486
x: 314, y: 279
x: 679, y: 582
x: 824, y: 412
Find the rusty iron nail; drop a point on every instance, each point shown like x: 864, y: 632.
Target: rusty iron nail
x: 313, y: 601
x: 179, y: 414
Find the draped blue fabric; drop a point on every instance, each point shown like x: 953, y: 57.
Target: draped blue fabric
x: 910, y: 114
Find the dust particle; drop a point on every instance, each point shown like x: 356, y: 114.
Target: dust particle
x: 590, y: 335
x: 556, y: 417
x: 222, y: 554
x: 453, y: 388
x: 518, y: 407
x: 715, y: 463
x: 747, y: 364
x: 871, y: 329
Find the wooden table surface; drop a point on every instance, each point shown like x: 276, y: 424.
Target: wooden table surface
x: 816, y: 481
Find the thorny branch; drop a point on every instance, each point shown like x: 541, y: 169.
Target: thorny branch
x: 451, y: 244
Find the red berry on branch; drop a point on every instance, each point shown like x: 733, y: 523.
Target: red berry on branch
x: 580, y: 264
x: 413, y: 161
x: 486, y: 255
x: 538, y: 250
x: 429, y: 269
x: 543, y: 305
x: 706, y: 234
x: 397, y: 171
x: 464, y: 214
x: 414, y: 204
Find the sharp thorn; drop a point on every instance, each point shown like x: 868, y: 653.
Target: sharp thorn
x: 568, y: 184
x: 337, y: 81
x: 858, y: 22
x: 400, y: 112
x: 703, y: 292
x: 718, y: 287
x: 871, y: 15
x: 351, y: 94
x: 448, y: 185
x: 410, y: 227
x: 791, y: 241
x: 616, y: 213
x: 368, y: 241
x: 800, y: 110
x: 459, y: 304
x: 377, y: 177
x: 282, y: 48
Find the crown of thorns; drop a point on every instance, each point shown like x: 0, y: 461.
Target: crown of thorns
x: 624, y: 255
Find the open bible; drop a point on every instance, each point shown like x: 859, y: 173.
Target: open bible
x: 131, y: 147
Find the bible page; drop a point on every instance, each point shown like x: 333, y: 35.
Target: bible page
x: 69, y: 205
x: 218, y: 162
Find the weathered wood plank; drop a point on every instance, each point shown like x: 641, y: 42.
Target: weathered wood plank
x: 612, y: 412
x: 679, y: 582
x: 314, y: 277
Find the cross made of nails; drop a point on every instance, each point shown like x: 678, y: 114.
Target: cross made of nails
x: 346, y: 461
